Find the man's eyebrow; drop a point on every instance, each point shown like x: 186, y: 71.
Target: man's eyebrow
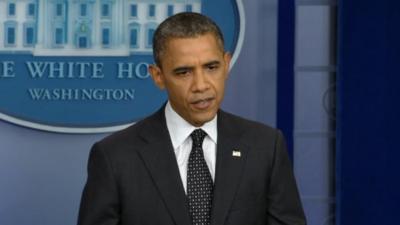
x: 186, y: 68
x: 212, y: 63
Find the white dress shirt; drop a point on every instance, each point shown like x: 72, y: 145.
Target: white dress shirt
x: 180, y: 130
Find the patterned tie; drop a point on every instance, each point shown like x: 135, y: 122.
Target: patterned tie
x: 199, y: 182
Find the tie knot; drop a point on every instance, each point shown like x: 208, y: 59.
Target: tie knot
x: 198, y: 136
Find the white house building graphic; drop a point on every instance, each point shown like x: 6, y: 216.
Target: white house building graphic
x: 84, y: 27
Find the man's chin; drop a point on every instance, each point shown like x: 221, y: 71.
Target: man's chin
x: 200, y: 120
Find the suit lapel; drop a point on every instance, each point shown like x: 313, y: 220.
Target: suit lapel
x: 159, y: 158
x: 231, y: 157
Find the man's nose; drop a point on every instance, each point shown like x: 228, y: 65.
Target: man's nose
x: 200, y: 82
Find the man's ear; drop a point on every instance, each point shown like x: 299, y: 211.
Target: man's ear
x: 227, y: 59
x: 157, y: 76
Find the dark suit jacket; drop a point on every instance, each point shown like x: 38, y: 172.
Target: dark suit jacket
x: 133, y: 177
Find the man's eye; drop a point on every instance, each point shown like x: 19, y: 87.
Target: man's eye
x: 182, y: 72
x: 212, y: 67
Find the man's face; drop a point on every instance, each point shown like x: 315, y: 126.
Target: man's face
x: 193, y: 71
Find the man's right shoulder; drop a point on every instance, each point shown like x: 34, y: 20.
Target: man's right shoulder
x: 130, y: 136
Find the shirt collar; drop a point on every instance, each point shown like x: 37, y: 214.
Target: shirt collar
x: 179, y: 129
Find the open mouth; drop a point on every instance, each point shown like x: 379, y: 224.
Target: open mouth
x: 202, y: 103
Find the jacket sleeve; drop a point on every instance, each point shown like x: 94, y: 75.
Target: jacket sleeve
x: 100, y: 202
x: 284, y: 206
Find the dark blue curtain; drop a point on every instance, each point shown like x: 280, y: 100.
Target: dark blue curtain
x: 368, y: 178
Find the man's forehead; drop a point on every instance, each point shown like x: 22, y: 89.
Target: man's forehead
x: 198, y: 47
x: 176, y: 47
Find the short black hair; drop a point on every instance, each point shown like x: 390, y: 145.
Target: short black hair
x: 184, y: 25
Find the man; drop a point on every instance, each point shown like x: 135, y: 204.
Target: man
x: 190, y: 162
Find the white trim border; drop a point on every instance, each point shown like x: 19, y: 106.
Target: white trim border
x: 58, y: 129
x: 242, y: 28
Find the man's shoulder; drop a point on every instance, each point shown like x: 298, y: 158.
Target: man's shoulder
x: 132, y: 134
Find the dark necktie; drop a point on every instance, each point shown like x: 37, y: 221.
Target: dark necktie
x: 199, y: 182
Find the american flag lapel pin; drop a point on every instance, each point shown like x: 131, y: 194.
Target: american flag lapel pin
x: 236, y: 153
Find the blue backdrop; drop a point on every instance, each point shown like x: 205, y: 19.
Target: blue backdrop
x: 42, y: 173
